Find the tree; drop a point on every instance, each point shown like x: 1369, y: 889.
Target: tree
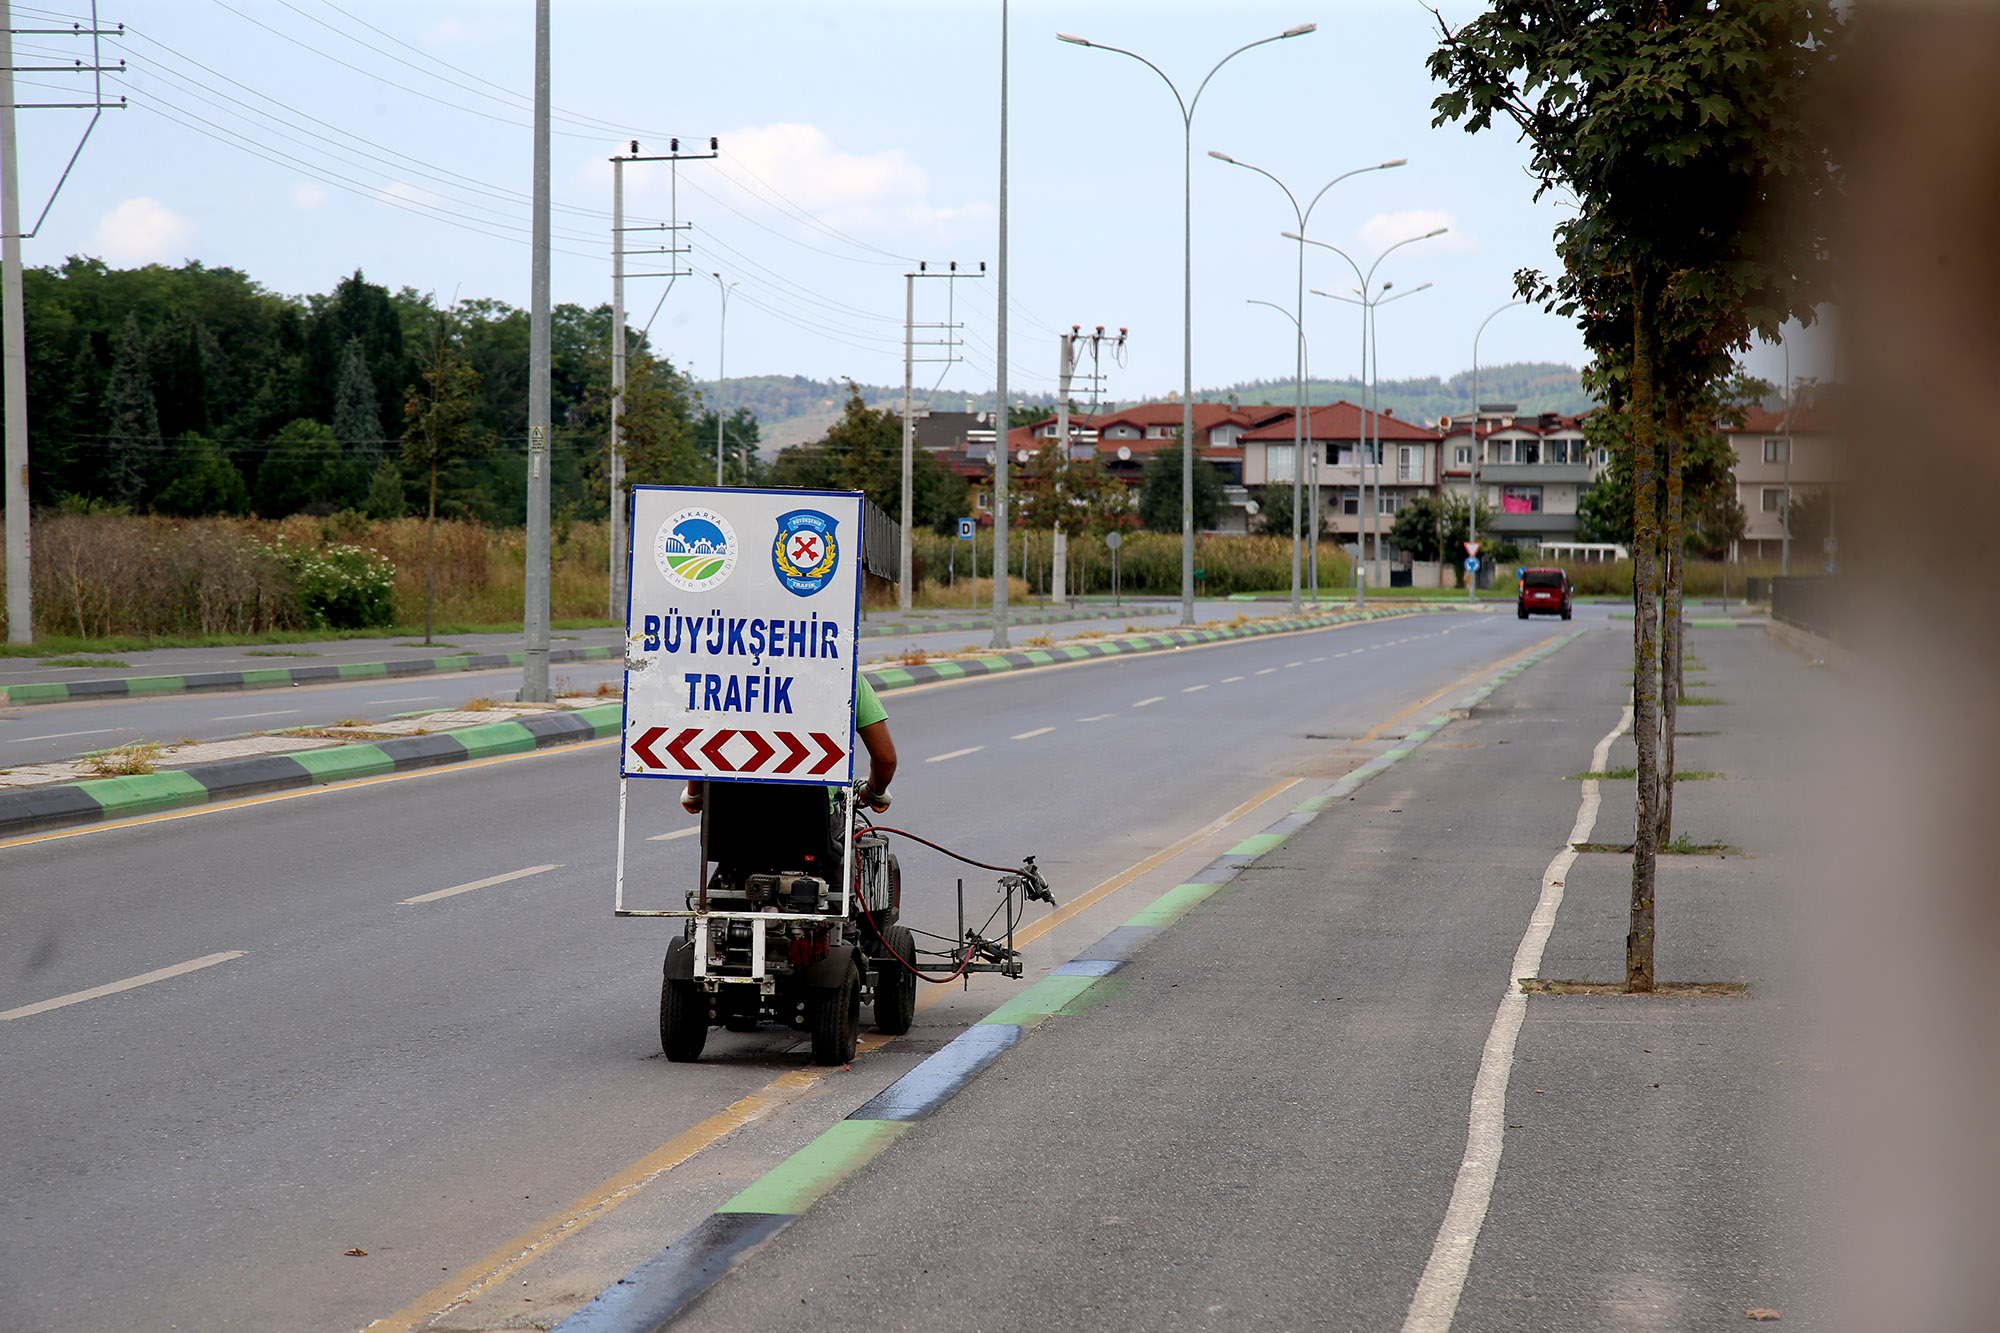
x: 1274, y: 512
x: 740, y: 433
x: 357, y: 419
x: 385, y: 491
x: 201, y: 480
x: 302, y: 470
x: 132, y: 422
x: 1420, y: 528
x: 863, y: 451
x: 1160, y: 491
x: 438, y: 413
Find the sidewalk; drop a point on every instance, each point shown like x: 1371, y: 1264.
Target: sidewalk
x: 1255, y: 1118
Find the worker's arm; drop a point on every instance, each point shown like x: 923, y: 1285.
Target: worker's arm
x: 881, y: 756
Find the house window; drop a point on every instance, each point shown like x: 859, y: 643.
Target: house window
x: 1279, y: 463
x: 985, y: 500
x: 1462, y: 456
x: 1529, y: 452
x: 1775, y: 451
x: 1520, y: 499
x: 1388, y: 502
x: 1502, y: 450
x: 1409, y: 462
x: 1350, y: 502
x: 1772, y: 501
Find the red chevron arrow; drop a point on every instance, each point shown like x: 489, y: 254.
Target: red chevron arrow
x: 834, y: 754
x: 798, y: 752
x: 643, y: 747
x: 713, y: 750
x: 764, y: 751
x: 677, y: 747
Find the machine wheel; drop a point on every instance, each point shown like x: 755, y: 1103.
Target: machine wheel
x: 683, y: 1021
x: 896, y: 985
x: 836, y: 1021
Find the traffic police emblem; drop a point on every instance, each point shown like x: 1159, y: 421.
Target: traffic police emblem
x: 696, y: 549
x: 806, y: 551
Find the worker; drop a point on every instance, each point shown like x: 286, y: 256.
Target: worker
x: 871, y: 720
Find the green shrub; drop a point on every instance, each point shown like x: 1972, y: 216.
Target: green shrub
x: 338, y: 586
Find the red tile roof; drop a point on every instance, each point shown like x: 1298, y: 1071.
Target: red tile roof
x: 1338, y: 421
x: 1805, y: 421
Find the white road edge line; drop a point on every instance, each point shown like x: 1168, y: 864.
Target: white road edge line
x: 1435, y: 1303
x: 687, y: 832
x: 1231, y: 680
x: 65, y: 735
x: 130, y: 983
x: 955, y: 754
x: 245, y: 717
x: 1155, y: 699
x: 1266, y: 671
x: 477, y: 884
x: 1192, y: 688
x: 1030, y: 735
x: 1099, y: 718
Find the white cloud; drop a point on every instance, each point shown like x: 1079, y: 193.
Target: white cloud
x: 847, y: 189
x: 142, y: 231
x: 308, y: 195
x: 1386, y: 229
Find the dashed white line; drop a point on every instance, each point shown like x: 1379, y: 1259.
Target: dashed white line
x: 1319, y: 659
x: 1265, y: 672
x: 1290, y: 665
x: 477, y: 884
x: 407, y: 699
x: 65, y: 735
x: 955, y: 754
x: 245, y: 717
x: 1155, y: 699
x: 1030, y: 735
x: 1099, y: 718
x: 130, y: 983
x: 687, y: 832
x: 1231, y: 680
x: 1192, y: 688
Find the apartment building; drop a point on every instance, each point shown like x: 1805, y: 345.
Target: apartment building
x: 1342, y: 438
x: 1533, y: 470
x: 1778, y: 463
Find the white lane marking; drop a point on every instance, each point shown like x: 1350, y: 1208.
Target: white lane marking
x: 687, y: 832
x: 245, y: 717
x: 1030, y: 735
x: 406, y: 699
x: 955, y: 754
x: 1436, y: 1301
x: 1349, y: 654
x: 1319, y: 659
x: 1231, y: 680
x: 1155, y: 699
x: 1099, y: 718
x: 1265, y: 672
x: 1192, y: 688
x: 130, y: 983
x: 65, y: 735
x: 1290, y: 665
x: 477, y: 884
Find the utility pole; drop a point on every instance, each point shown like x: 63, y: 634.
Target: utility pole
x: 13, y: 323
x: 721, y: 352
x: 950, y: 344
x: 1000, y: 379
x: 1059, y: 543
x: 618, y: 350
x: 535, y: 595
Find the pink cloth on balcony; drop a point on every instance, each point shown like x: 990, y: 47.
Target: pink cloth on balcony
x: 1515, y: 504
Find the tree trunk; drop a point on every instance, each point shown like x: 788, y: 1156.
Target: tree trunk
x: 1673, y: 649
x: 1645, y: 645
x: 430, y: 550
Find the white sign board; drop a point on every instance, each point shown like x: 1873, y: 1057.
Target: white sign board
x: 739, y: 634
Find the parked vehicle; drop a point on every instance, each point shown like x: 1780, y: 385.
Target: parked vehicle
x: 1543, y: 592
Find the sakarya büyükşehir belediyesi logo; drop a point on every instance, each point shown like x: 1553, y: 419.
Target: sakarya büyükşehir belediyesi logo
x: 696, y: 549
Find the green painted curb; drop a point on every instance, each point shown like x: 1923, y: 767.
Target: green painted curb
x: 344, y: 762
x: 1256, y: 844
x: 494, y: 738
x: 1172, y: 905
x: 798, y: 1182
x: 1045, y: 997
x: 150, y: 791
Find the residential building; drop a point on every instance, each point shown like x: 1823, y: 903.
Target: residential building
x: 1533, y: 471
x: 1778, y: 464
x: 1342, y: 437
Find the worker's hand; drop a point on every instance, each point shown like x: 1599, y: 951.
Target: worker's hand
x: 878, y: 801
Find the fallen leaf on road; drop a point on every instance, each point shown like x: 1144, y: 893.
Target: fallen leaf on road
x: 1760, y: 1313
x: 357, y: 1254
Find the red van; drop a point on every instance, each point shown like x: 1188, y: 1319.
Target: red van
x: 1544, y: 592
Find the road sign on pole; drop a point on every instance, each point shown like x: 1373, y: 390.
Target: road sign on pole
x: 966, y: 529
x: 739, y: 644
x: 1471, y: 564
x: 1471, y: 548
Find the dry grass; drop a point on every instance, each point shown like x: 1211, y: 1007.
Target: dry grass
x: 1043, y: 640
x: 913, y: 657
x: 961, y: 595
x: 479, y: 703
x: 126, y: 761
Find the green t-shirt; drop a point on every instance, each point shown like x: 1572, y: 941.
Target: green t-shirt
x: 868, y: 710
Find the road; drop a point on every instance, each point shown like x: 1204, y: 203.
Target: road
x: 424, y: 1080
x: 45, y: 733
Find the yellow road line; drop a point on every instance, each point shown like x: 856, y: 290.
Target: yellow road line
x: 1380, y: 727
x: 561, y: 1225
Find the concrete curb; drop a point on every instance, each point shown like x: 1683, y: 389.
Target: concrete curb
x: 66, y: 805
x: 655, y: 1293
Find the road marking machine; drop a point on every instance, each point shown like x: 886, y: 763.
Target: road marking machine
x: 741, y: 668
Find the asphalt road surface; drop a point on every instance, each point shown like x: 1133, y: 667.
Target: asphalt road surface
x: 44, y: 733
x: 379, y: 1065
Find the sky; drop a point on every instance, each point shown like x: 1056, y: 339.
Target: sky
x: 299, y: 140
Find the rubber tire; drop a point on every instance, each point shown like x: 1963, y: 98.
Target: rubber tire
x: 896, y: 985
x: 1521, y: 609
x: 683, y: 1021
x: 836, y: 1021
x: 1565, y: 613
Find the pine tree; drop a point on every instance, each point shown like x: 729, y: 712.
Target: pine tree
x: 357, y: 419
x: 132, y: 421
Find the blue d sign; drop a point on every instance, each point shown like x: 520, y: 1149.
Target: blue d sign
x: 1472, y: 564
x: 965, y: 528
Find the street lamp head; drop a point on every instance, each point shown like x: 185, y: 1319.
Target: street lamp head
x: 1300, y: 31
x: 1222, y: 157
x: 1439, y: 232
x: 1072, y: 39
x: 1292, y: 236
x: 1395, y: 162
x: 1387, y: 285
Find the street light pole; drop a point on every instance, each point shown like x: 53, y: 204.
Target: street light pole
x: 1187, y: 106
x: 535, y: 593
x: 1000, y: 416
x: 721, y: 352
x: 1301, y: 432
x: 1472, y: 487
